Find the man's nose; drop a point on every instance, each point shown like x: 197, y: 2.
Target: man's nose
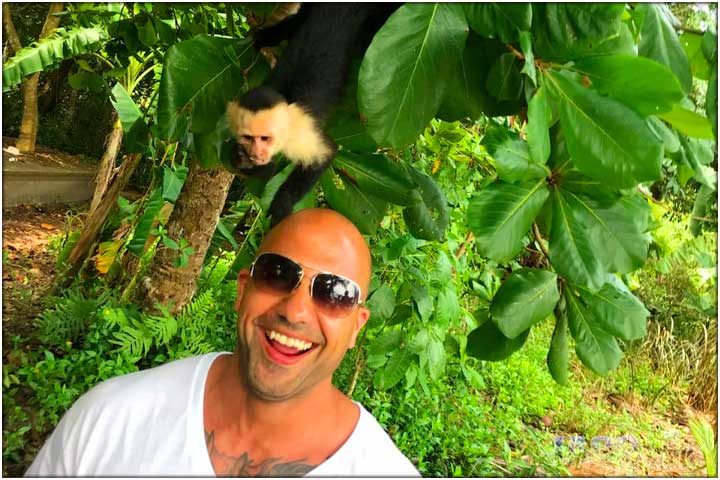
x: 297, y: 306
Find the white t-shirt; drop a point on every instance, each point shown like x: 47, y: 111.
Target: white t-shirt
x: 150, y: 423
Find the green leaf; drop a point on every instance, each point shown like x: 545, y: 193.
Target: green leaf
x: 142, y: 230
x: 128, y: 112
x: 615, y: 229
x: 692, y: 44
x: 617, y: 311
x: 538, y: 127
x: 394, y: 370
x: 529, y: 62
x: 200, y: 76
x: 606, y: 139
x: 669, y: 136
x: 513, y: 163
x: 425, y: 41
x: 504, y: 81
x: 487, y: 343
x: 595, y: 347
x: 571, y: 245
x: 698, y: 154
x: 466, y: 94
x: 558, y: 357
x: 423, y: 301
x: 364, y: 210
x: 702, y: 200
x: 525, y: 298
x: 640, y: 83
x: 386, y: 343
x: 173, y: 181
x: 688, y: 122
x: 447, y: 309
x: 499, y: 20
x: 429, y: 216
x: 502, y: 213
x: 711, y: 102
x: 472, y: 377
x: 382, y: 302
x: 660, y: 42
x: 566, y: 31
x: 377, y: 175
x: 136, y: 131
x: 50, y: 52
x: 436, y: 357
x: 146, y: 33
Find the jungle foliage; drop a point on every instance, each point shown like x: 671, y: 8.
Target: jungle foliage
x: 501, y: 158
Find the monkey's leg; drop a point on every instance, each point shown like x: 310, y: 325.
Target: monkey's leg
x: 297, y: 185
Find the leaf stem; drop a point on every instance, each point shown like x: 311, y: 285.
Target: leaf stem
x: 539, y: 239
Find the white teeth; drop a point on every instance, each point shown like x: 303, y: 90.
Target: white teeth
x: 290, y: 342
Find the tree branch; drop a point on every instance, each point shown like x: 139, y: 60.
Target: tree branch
x: 13, y: 37
x: 539, y: 239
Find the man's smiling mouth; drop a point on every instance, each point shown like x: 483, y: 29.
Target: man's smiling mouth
x: 296, y: 343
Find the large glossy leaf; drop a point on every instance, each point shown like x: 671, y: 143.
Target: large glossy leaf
x: 173, y: 181
x: 566, y: 31
x: 538, y: 127
x: 425, y: 42
x: 135, y: 130
x: 504, y: 81
x: 502, y: 213
x: 363, y: 209
x: 709, y: 48
x: 615, y: 229
x: 142, y: 230
x: 513, y: 163
x: 688, y: 122
x: 394, y: 370
x: 429, y: 216
x: 50, y: 52
x: 617, y: 311
x: 558, y: 357
x: 596, y: 348
x: 571, y: 246
x: 659, y: 41
x: 529, y: 57
x: 692, y: 44
x: 436, y: 357
x: 698, y: 155
x: 525, y: 298
x: 200, y: 76
x: 381, y: 304
x: 606, y: 139
x: 378, y: 175
x: 499, y: 20
x: 640, y: 83
x: 488, y: 343
x: 466, y: 94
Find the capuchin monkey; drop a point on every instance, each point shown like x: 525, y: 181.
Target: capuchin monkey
x: 286, y: 114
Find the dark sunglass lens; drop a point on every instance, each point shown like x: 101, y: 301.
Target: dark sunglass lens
x: 335, y: 294
x: 275, y: 272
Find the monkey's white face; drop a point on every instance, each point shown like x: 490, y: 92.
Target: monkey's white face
x: 261, y: 134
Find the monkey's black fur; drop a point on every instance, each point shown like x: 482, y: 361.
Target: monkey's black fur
x: 323, y: 39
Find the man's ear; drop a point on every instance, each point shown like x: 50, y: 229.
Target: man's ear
x: 243, y: 278
x: 362, y: 317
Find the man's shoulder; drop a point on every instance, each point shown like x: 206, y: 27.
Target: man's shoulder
x: 138, y: 388
x: 369, y: 451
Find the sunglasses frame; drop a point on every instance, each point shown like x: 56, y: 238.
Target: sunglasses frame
x: 360, y: 301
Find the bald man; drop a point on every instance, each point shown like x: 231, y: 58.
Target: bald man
x: 267, y: 409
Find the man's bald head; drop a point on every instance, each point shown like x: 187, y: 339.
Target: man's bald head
x: 322, y: 239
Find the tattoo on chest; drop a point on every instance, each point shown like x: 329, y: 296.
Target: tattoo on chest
x: 243, y: 466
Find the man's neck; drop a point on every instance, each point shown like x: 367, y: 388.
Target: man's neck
x: 247, y: 435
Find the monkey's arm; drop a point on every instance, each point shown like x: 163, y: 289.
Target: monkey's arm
x: 283, y: 30
x: 297, y: 185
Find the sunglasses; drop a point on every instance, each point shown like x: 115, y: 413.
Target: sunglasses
x: 333, y: 294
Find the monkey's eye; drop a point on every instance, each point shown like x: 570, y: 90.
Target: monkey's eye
x: 247, y: 138
x: 265, y: 138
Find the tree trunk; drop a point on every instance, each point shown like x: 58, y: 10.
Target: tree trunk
x: 29, y: 123
x: 94, y: 223
x: 107, y: 163
x: 12, y: 35
x: 194, y: 218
